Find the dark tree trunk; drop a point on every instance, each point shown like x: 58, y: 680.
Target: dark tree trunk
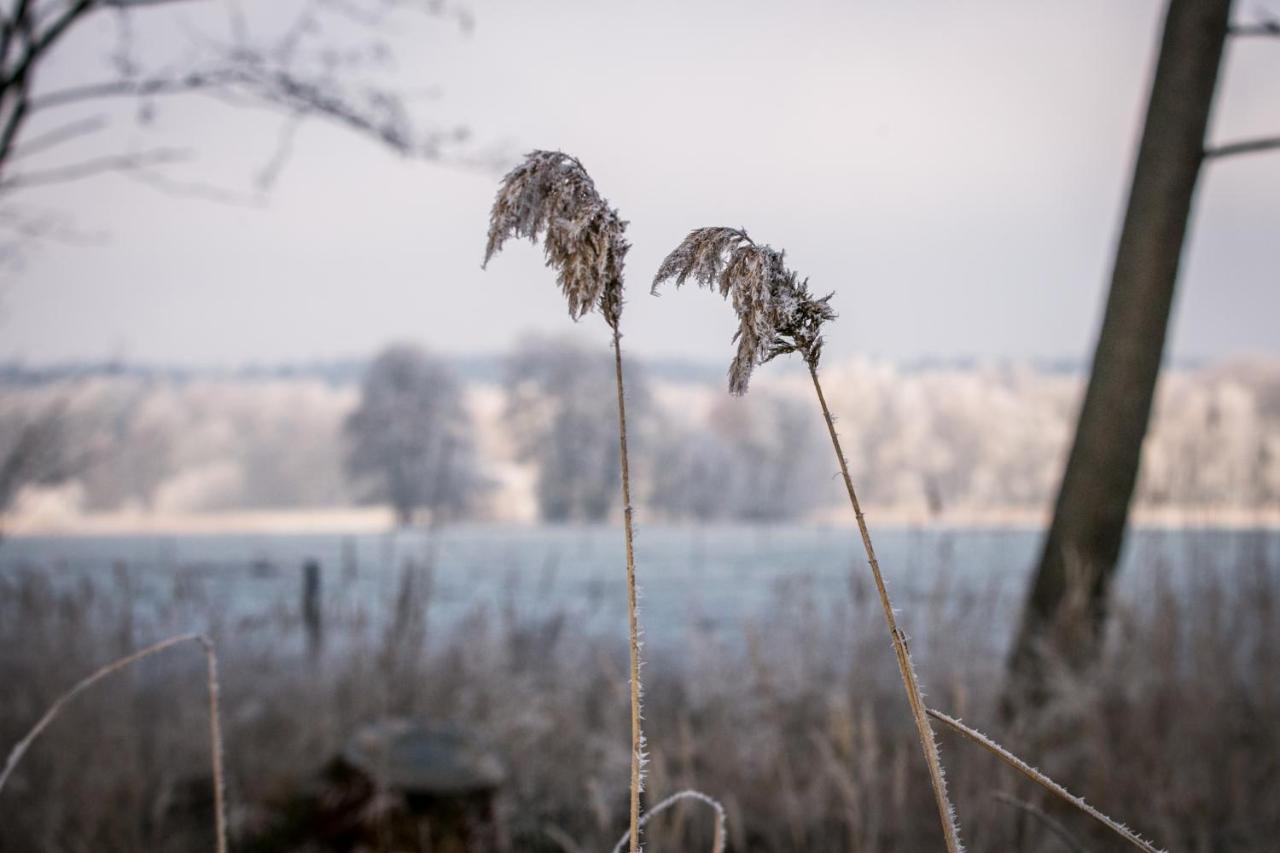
x: 1069, y: 591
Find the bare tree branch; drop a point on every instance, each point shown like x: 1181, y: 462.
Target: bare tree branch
x: 1248, y: 146
x: 199, y: 190
x: 378, y: 113
x: 266, y: 73
x: 1270, y: 27
x: 45, y: 40
x: 302, y: 68
x: 271, y: 171
x: 131, y: 88
x: 15, y: 84
x: 58, y: 135
x: 137, y: 4
x: 94, y: 166
x: 15, y: 87
x: 10, y: 30
x: 17, y: 116
x: 48, y: 225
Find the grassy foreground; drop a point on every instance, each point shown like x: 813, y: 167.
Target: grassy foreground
x: 793, y: 722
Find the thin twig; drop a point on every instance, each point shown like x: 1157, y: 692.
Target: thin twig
x: 215, y: 727
x: 1044, y: 818
x: 633, y: 623
x: 928, y: 744
x: 718, y: 835
x: 147, y: 88
x: 94, y: 166
x: 1262, y: 28
x: 562, y: 838
x: 1039, y: 778
x: 1248, y: 146
x: 58, y: 135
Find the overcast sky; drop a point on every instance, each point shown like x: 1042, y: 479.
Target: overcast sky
x: 955, y: 172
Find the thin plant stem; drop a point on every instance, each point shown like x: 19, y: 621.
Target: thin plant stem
x: 946, y: 813
x: 718, y: 832
x: 1044, y: 781
x: 633, y: 627
x: 1045, y: 819
x: 215, y: 742
x: 564, y: 840
x: 215, y: 728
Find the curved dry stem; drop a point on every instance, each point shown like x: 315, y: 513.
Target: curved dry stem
x: 562, y: 839
x: 1044, y: 819
x: 215, y: 729
x: 717, y: 838
x: 633, y: 621
x: 950, y: 831
x: 1044, y: 781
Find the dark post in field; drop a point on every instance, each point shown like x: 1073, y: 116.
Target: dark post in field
x: 312, y: 617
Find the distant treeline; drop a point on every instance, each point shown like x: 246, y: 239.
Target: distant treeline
x: 534, y: 437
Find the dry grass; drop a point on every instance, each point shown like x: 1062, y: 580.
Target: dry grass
x: 20, y: 748
x: 789, y: 721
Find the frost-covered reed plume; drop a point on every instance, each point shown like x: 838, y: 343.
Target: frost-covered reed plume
x: 551, y: 197
x: 778, y: 315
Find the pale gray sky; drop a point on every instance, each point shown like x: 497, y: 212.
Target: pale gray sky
x: 954, y: 171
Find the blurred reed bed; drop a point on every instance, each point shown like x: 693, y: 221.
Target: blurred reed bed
x: 791, y: 720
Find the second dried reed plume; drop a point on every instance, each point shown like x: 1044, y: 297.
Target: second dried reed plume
x: 778, y: 315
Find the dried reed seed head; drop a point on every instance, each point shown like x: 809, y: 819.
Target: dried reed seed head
x: 550, y: 195
x: 776, y: 312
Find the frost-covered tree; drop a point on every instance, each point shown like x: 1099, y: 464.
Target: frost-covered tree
x: 750, y: 458
x: 690, y: 473
x: 410, y: 437
x: 32, y: 451
x: 561, y: 410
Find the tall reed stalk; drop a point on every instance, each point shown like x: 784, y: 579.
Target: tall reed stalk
x: 215, y: 726
x: 551, y: 196
x: 905, y: 668
x: 778, y: 315
x: 633, y: 624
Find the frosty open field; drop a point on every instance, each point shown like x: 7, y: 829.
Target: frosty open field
x: 766, y: 664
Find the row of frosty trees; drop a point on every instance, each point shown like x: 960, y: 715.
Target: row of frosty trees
x: 963, y: 443
x: 411, y: 443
